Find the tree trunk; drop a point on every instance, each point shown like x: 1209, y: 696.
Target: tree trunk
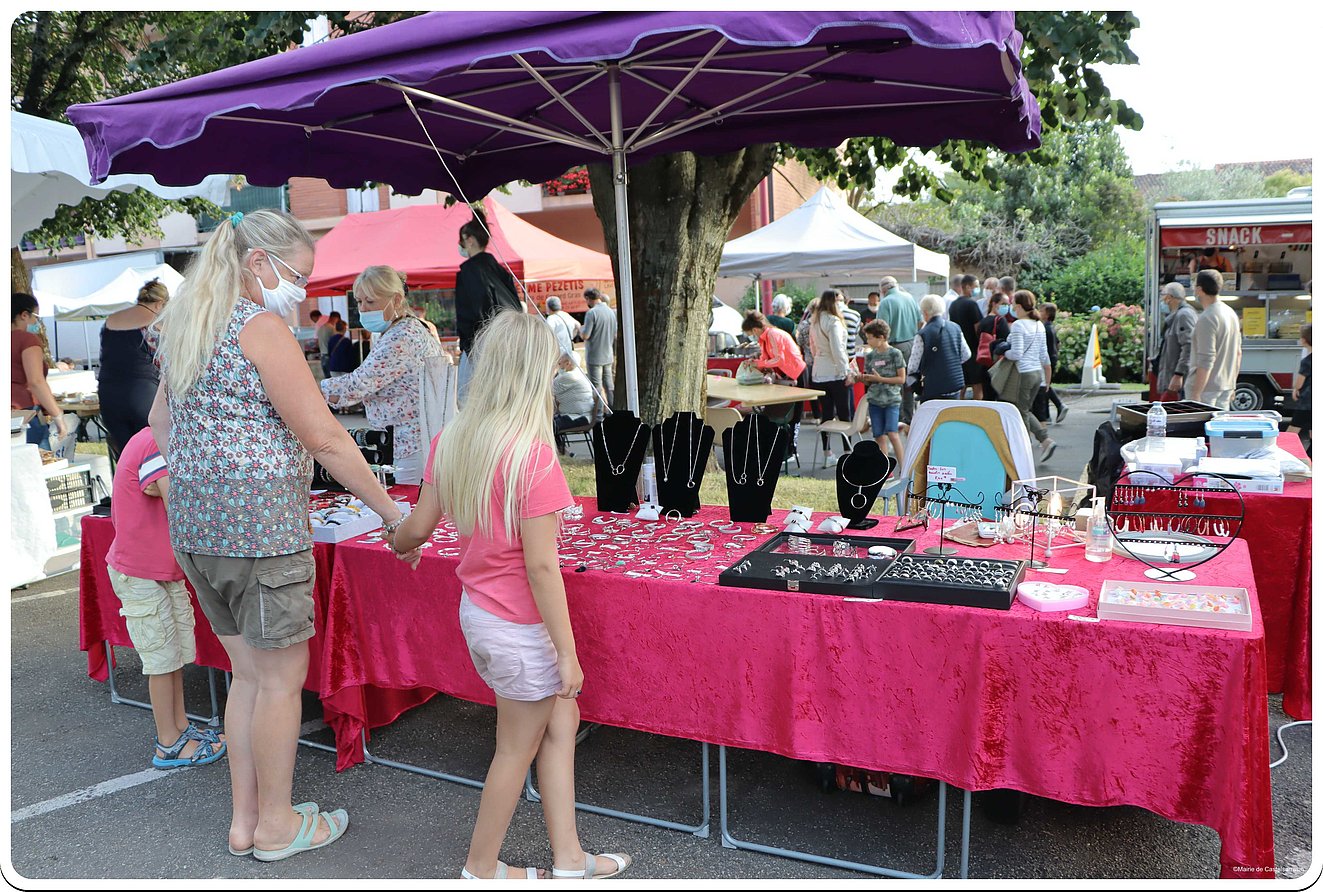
x: 19, y: 278
x: 681, y: 208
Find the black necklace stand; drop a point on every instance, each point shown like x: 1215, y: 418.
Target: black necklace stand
x: 755, y: 449
x: 860, y: 475
x: 680, y: 448
x: 620, y: 441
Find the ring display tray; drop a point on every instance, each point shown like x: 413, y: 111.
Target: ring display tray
x: 950, y: 581
x: 774, y: 566
x: 1170, y: 603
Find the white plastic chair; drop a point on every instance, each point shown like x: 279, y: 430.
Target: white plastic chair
x: 847, y: 429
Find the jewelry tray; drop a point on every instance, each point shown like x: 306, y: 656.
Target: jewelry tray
x: 1242, y: 621
x: 936, y: 592
x: 772, y: 553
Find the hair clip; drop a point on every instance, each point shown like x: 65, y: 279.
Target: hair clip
x: 235, y: 219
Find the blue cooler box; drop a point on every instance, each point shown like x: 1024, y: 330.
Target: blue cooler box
x: 1235, y: 434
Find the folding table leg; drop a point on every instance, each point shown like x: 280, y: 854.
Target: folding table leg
x: 416, y: 769
x: 115, y: 697
x: 729, y: 841
x: 700, y: 830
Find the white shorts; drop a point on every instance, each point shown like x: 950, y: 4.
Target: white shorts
x: 516, y: 660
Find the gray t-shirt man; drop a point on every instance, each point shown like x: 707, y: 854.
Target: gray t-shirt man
x: 599, y: 336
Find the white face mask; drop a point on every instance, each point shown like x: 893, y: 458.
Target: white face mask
x: 286, y: 296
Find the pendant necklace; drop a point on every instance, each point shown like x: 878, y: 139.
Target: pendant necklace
x: 753, y: 433
x: 666, y: 459
x: 694, y: 447
x: 862, y: 499
x: 771, y: 451
x: 618, y: 470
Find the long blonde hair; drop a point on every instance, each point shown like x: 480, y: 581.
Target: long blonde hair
x: 506, y: 414
x: 193, y: 321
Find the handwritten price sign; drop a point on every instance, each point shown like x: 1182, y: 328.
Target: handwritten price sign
x: 942, y: 474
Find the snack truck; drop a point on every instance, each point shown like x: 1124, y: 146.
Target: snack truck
x: 1265, y: 245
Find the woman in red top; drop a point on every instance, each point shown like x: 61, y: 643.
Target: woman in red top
x: 780, y: 353
x: 27, y: 370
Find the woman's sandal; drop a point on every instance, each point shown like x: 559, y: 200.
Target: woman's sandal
x: 502, y: 873
x: 589, y: 872
x: 209, y: 750
x: 337, y: 821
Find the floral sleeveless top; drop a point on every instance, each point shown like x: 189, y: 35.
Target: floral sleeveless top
x: 239, y: 478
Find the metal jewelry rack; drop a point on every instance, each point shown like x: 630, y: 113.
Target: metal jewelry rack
x: 926, y: 502
x: 1032, y: 502
x: 1171, y: 515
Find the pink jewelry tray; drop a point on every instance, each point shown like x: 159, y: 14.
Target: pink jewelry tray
x: 1170, y: 603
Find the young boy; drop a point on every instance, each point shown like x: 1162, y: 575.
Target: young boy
x: 884, y: 373
x: 1302, y: 392
x: 156, y: 607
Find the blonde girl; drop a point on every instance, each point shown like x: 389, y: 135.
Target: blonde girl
x: 494, y: 472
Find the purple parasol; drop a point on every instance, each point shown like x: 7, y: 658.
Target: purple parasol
x: 511, y: 95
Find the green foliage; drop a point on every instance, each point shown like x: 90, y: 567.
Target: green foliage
x: 1060, y: 50
x: 1189, y: 183
x: 1279, y: 182
x: 799, y: 298
x: 133, y: 215
x: 1120, y: 339
x: 1112, y: 274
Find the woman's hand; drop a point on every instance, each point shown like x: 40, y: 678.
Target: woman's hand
x: 571, y: 676
x: 409, y: 557
x: 60, y: 427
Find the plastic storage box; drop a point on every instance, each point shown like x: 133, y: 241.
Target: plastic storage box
x: 1236, y: 434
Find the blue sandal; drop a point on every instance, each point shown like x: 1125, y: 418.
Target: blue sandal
x: 209, y: 750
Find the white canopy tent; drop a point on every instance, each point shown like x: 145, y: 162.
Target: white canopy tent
x: 826, y: 237
x: 79, y: 292
x: 48, y: 168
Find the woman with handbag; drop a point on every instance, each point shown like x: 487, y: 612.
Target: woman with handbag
x: 832, y: 370
x: 1028, y: 351
x: 993, y: 331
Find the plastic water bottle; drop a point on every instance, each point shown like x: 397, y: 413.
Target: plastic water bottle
x: 1098, y: 546
x: 1157, y: 427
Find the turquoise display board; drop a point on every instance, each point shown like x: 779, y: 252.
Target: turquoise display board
x: 966, y: 447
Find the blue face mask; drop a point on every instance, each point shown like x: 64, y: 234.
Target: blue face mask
x: 1003, y: 309
x: 34, y: 327
x: 374, y: 321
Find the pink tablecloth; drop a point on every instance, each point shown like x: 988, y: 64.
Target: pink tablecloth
x: 1168, y: 718
x: 1279, y: 529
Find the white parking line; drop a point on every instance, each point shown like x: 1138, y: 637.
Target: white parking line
x: 105, y: 788
x: 43, y: 596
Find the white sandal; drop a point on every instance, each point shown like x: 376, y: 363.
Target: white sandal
x: 589, y: 872
x: 502, y: 872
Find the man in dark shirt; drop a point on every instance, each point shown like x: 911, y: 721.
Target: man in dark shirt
x: 965, y: 313
x: 869, y: 313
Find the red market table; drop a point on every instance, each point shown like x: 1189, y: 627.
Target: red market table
x: 981, y: 699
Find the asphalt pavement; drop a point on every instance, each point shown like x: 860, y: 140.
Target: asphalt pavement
x: 87, y: 805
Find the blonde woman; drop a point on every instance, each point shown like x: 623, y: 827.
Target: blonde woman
x: 236, y: 413
x: 831, y: 363
x: 128, y: 378
x: 493, y: 471
x: 387, y: 381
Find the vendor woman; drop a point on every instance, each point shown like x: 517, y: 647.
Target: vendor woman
x: 387, y: 382
x: 780, y: 354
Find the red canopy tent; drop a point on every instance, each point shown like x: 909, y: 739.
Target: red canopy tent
x: 420, y: 240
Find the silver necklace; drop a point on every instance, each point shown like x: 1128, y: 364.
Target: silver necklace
x: 757, y: 450
x: 863, y: 499
x: 689, y: 436
x: 618, y: 470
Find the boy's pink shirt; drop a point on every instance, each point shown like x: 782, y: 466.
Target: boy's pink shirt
x: 142, y: 535
x: 491, y: 568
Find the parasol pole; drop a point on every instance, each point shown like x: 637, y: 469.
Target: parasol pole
x: 626, y: 267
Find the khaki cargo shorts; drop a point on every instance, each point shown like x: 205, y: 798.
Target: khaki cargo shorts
x: 159, y: 616
x: 267, y: 600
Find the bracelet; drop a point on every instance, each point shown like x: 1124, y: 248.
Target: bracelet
x: 390, y: 528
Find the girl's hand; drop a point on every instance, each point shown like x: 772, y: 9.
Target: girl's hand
x: 409, y: 557
x: 571, y: 676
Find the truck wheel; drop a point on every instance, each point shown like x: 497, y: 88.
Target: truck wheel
x: 1247, y: 397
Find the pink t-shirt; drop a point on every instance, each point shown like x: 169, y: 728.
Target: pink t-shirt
x: 142, y: 535
x: 491, y: 568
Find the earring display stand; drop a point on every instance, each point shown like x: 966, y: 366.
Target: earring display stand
x: 859, y: 478
x: 1029, y: 504
x: 943, y: 498
x: 754, y: 448
x: 1157, y: 521
x: 681, y: 444
x: 620, y: 442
